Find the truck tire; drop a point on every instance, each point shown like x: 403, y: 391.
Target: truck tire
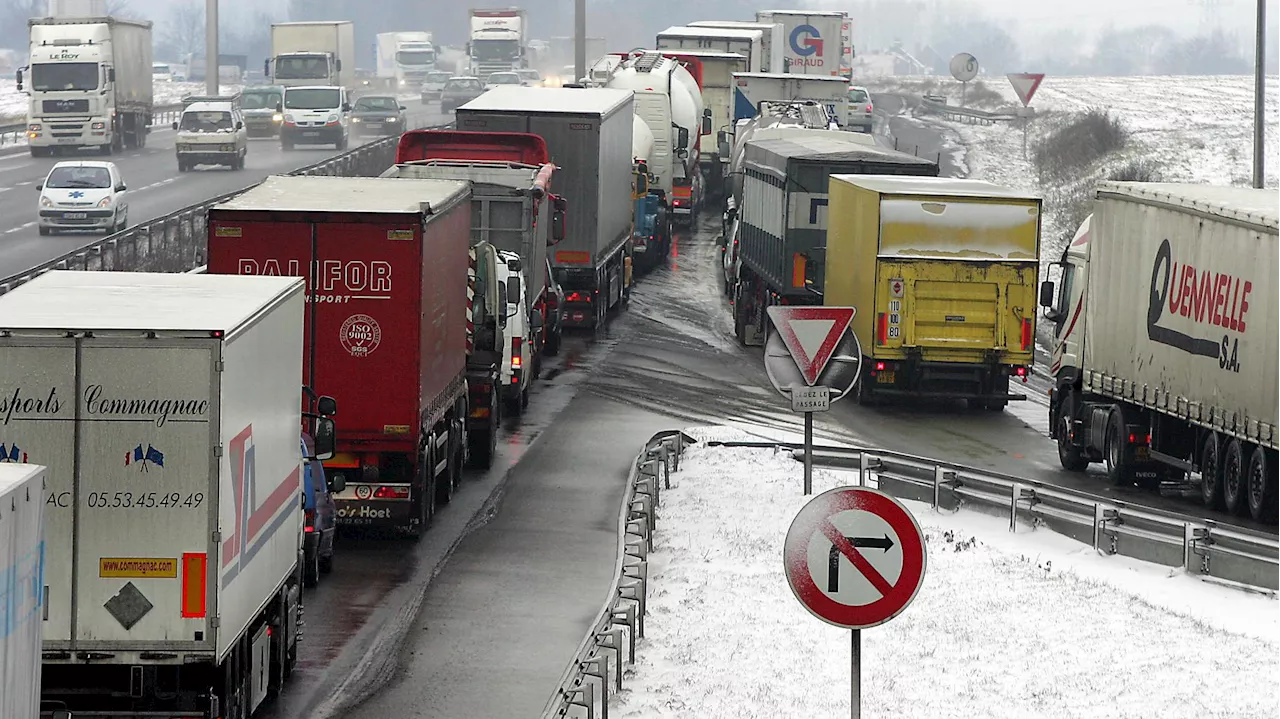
x: 1211, y: 471
x: 425, y: 509
x: 311, y: 569
x: 1069, y: 455
x: 515, y: 405
x: 1262, y: 486
x: 1119, y: 470
x: 1235, y: 469
x: 552, y: 347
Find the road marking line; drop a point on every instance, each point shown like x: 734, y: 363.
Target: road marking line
x: 24, y: 184
x: 11, y: 230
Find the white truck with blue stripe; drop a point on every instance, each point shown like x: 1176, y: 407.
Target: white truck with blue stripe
x: 752, y: 88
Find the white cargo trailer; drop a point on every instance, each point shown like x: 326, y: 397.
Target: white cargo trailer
x: 813, y: 40
x: 752, y: 88
x: 21, y: 583
x: 747, y: 43
x: 1164, y: 357
x: 312, y: 53
x: 167, y: 408
x: 772, y: 41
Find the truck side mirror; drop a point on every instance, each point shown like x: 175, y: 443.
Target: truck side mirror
x: 346, y: 107
x: 175, y: 125
x: 535, y: 322
x: 327, y: 406
x: 325, y: 438
x: 515, y: 265
x: 642, y: 184
x: 513, y: 290
x: 559, y: 218
x: 239, y: 125
x: 111, y: 75
x: 683, y: 141
x: 337, y: 65
x: 19, y: 78
x: 279, y: 107
x: 336, y: 482
x: 1046, y: 293
x: 468, y: 49
x: 266, y: 67
x: 706, y: 122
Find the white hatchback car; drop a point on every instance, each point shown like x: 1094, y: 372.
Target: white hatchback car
x: 83, y: 195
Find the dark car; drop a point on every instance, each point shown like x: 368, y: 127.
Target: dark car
x: 377, y: 115
x: 459, y: 91
x: 321, y: 515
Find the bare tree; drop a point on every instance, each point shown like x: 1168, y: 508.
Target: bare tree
x: 13, y: 20
x: 184, y: 31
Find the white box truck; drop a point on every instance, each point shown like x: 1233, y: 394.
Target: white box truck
x: 312, y: 53
x: 814, y: 40
x: 752, y: 88
x: 167, y: 409
x: 21, y: 583
x: 1164, y: 341
x: 89, y: 82
x: 415, y: 56
x: 496, y: 42
x: 747, y: 43
x: 771, y: 40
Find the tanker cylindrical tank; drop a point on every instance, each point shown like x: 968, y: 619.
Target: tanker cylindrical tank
x: 686, y: 104
x: 641, y: 139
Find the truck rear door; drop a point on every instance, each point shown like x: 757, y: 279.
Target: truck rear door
x: 147, y: 491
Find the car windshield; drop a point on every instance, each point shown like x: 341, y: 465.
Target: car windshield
x: 530, y: 74
x: 857, y: 96
x: 69, y: 177
x: 438, y: 77
x: 200, y: 121
x: 160, y: 69
x: 259, y: 100
x: 378, y: 104
x: 504, y: 78
x: 320, y: 98
x: 64, y: 76
x: 464, y: 84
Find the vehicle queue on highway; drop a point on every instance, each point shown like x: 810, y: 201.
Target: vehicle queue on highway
x: 423, y: 301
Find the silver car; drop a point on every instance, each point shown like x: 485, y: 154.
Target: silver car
x: 433, y: 85
x: 860, y: 109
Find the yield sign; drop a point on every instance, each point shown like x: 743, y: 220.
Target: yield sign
x: 811, y: 335
x: 1025, y: 84
x: 854, y: 557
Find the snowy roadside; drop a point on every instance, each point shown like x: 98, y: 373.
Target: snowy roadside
x: 1006, y: 625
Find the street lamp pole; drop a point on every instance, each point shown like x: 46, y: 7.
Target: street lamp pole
x: 211, y: 47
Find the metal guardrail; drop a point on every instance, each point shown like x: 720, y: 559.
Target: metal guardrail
x: 1229, y: 554
x: 177, y: 242
x: 584, y: 686
x: 162, y: 115
x: 937, y: 105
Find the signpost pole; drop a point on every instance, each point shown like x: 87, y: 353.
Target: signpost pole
x: 855, y: 694
x: 808, y: 453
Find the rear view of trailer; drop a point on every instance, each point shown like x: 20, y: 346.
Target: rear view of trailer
x: 22, y: 499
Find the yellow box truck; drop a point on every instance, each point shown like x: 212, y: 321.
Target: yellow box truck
x: 943, y: 274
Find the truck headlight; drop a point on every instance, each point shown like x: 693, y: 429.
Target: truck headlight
x: 99, y: 126
x: 277, y: 117
x: 354, y: 119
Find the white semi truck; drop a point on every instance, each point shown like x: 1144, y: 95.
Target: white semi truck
x: 748, y: 43
x: 497, y: 39
x: 89, y: 81
x: 404, y: 59
x: 772, y: 40
x: 1164, y: 342
x: 312, y: 53
x: 22, y: 499
x: 167, y: 409
x: 813, y: 40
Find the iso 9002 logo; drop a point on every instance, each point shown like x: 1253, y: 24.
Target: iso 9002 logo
x: 360, y: 335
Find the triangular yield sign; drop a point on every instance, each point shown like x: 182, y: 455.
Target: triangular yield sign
x: 811, y: 335
x: 1025, y: 84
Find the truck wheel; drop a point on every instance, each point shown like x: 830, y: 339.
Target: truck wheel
x: 552, y: 347
x: 311, y: 570
x: 1069, y: 454
x: 1235, y: 478
x: 864, y: 395
x: 1118, y: 469
x: 514, y: 405
x: 1211, y: 472
x: 425, y: 509
x: 444, y: 485
x: 326, y: 563
x: 1262, y: 486
x: 524, y: 399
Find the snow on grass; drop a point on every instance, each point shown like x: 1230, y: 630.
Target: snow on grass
x: 13, y: 104
x: 1005, y: 625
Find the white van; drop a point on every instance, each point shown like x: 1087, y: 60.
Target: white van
x: 518, y: 355
x: 316, y: 115
x: 211, y: 133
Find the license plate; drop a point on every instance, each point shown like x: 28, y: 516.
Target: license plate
x: 374, y: 126
x: 74, y: 215
x: 886, y: 377
x: 311, y: 134
x: 1142, y: 453
x: 67, y: 140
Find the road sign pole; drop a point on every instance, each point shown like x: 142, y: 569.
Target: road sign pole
x: 855, y: 693
x: 808, y: 453
x: 964, y: 92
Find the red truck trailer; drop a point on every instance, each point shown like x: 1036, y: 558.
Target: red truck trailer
x: 386, y: 324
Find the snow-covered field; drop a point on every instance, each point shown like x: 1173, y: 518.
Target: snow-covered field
x: 13, y: 104
x: 1032, y: 625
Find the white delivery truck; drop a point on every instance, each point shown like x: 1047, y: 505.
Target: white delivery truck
x: 1164, y: 341
x: 496, y: 42
x: 90, y: 84
x: 752, y: 88
x: 22, y: 582
x: 312, y: 53
x: 415, y: 57
x: 772, y: 40
x: 747, y: 43
x: 167, y: 409
x: 813, y: 40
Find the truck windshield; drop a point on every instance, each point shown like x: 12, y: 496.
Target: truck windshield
x: 313, y: 99
x: 64, y: 76
x: 415, y: 57
x: 259, y: 100
x: 206, y: 122
x: 495, y: 49
x: 312, y: 67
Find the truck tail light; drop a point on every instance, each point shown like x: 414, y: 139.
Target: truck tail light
x: 797, y: 270
x: 1140, y: 439
x: 577, y: 297
x: 882, y: 328
x: 1026, y: 333
x: 516, y: 361
x: 309, y: 520
x: 1019, y: 371
x: 391, y: 493
x: 193, y: 585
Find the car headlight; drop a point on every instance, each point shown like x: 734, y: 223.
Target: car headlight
x: 106, y: 201
x: 393, y: 119
x: 354, y: 119
x: 333, y: 118
x: 277, y: 117
x: 45, y: 202
x: 288, y: 118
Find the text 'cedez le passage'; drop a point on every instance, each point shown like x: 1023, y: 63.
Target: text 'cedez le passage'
x: 332, y: 281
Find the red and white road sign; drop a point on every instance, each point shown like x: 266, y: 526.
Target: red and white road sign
x: 1026, y: 84
x: 854, y: 557
x: 811, y: 335
x: 896, y: 287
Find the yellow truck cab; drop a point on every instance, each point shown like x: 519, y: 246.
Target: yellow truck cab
x: 943, y: 273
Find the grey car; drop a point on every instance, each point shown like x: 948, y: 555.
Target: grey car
x: 459, y: 91
x: 377, y: 115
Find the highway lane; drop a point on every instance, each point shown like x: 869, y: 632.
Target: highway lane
x: 156, y: 188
